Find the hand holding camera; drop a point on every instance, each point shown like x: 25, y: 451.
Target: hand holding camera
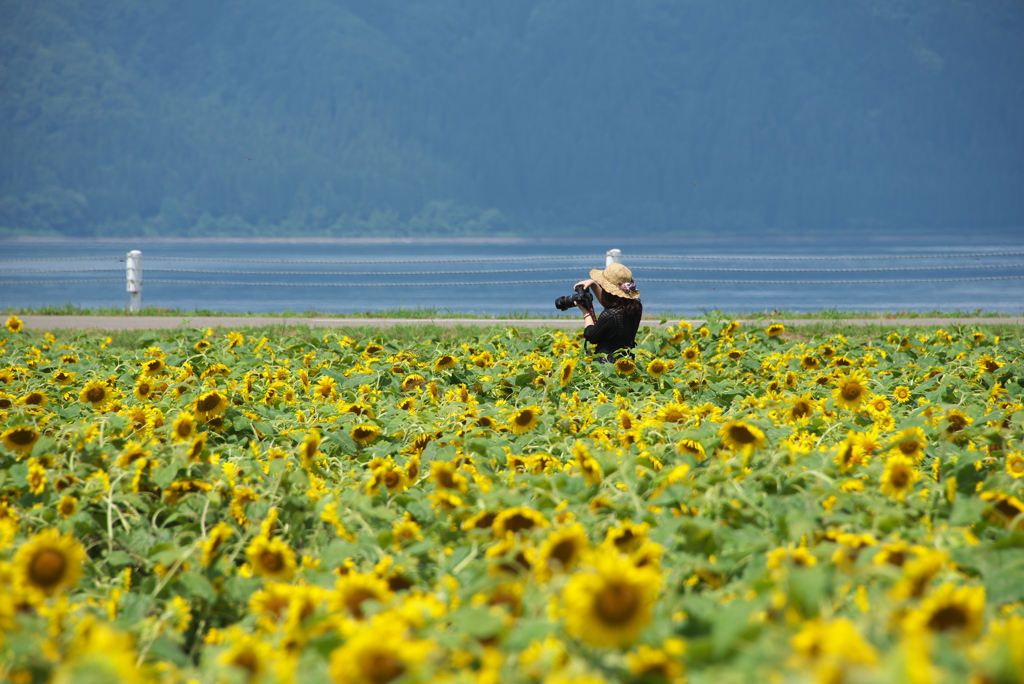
x: 582, y: 296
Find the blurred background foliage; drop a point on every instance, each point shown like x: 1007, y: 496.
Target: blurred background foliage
x: 522, y: 117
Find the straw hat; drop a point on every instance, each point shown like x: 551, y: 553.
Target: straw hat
x: 617, y: 280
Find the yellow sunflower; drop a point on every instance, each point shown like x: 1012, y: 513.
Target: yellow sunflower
x: 271, y: 557
x: 219, y: 534
x: 14, y: 324
x: 1015, y: 464
x: 658, y: 367
x: 785, y: 556
x: 775, y: 329
x: 96, y: 393
x: 67, y: 506
x: 247, y: 653
x: 625, y: 366
x: 952, y: 610
x: 741, y: 436
x: 380, y: 652
x: 810, y: 362
x: 609, y: 603
x: 910, y: 442
x: 987, y: 364
x: 355, y: 588
x: 517, y: 519
x: 210, y: 404
x: 956, y: 420
x: 183, y: 428
x: 658, y: 665
x: 20, y: 439
x: 674, y: 412
x: 899, y: 476
x: 800, y: 408
x: 49, y: 562
x: 412, y: 381
x: 565, y: 371
x: 692, y: 447
x: 446, y: 362
x: 901, y: 394
x: 394, y: 477
x: 364, y: 434
x: 308, y: 450
x: 562, y: 550
x: 36, y: 398
x: 325, y: 389
x: 524, y: 420
x: 151, y: 367
x: 851, y: 390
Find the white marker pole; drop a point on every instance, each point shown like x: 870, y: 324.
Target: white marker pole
x: 133, y: 272
x: 612, y: 256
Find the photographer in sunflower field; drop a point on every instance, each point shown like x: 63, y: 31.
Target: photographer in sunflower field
x: 614, y: 331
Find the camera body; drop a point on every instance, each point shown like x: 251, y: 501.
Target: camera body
x: 581, y: 296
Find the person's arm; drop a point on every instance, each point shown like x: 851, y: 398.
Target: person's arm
x: 588, y: 315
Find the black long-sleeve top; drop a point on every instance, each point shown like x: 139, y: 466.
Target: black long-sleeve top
x: 614, y: 329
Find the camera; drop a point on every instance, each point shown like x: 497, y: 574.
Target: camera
x: 582, y: 296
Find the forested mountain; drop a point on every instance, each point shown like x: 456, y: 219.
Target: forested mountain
x: 565, y: 117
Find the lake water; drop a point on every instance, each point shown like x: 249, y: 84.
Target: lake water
x: 801, y: 275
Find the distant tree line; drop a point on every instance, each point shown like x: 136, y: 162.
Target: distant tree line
x: 461, y: 117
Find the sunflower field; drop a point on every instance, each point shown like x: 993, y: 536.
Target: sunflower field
x: 733, y: 502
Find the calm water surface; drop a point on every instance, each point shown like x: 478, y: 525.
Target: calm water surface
x: 254, y: 283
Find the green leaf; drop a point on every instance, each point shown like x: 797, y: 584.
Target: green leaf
x: 198, y: 585
x: 118, y: 559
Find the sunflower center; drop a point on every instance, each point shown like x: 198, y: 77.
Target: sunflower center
x: 248, y: 661
x: 354, y: 602
x: 381, y: 668
x: 208, y: 403
x: 956, y: 423
x: 391, y: 478
x: 362, y: 433
x: 899, y: 477
x: 852, y: 391
x: 673, y: 416
x: 96, y: 394
x: 272, y: 561
x: 617, y: 604
x: 909, y: 447
x: 897, y: 558
x: 524, y: 418
x: 564, y: 552
x: 47, y: 568
x: 947, y: 618
x: 22, y: 437
x: 519, y: 522
x: 741, y: 434
x: 801, y: 409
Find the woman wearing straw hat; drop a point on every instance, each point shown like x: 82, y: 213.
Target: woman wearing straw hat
x: 615, y: 329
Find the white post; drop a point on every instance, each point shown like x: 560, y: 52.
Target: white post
x: 612, y: 256
x: 133, y: 272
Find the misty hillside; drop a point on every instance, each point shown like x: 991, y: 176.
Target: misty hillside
x: 450, y: 117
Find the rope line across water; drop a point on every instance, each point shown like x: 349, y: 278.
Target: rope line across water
x: 531, y: 282
x: 564, y: 268
x: 627, y: 257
